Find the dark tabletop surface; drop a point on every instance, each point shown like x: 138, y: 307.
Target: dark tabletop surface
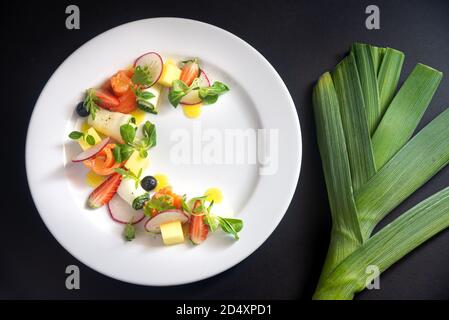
x: 301, y: 39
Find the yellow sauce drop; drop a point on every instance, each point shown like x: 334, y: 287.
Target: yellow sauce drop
x: 170, y: 61
x: 94, y: 180
x: 192, y: 111
x: 162, y: 181
x: 84, y: 126
x: 139, y: 115
x: 214, y: 194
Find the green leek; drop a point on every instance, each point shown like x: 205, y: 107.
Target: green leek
x: 388, y: 76
x: 420, y: 159
x: 405, y: 112
x: 332, y: 146
x: 358, y: 141
x: 367, y: 177
x: 367, y: 68
x: 386, y: 247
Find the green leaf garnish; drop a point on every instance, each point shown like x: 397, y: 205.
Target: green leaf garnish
x: 212, y: 221
x: 178, y: 90
x: 128, y: 174
x: 128, y: 133
x: 116, y: 152
x: 90, y: 140
x: 162, y: 203
x: 209, y: 95
x: 75, y: 135
x: 230, y: 225
x: 142, y: 76
x: 149, y: 133
x: 143, y: 153
x: 91, y: 102
x: 122, y: 152
x: 184, y: 205
x: 130, y: 232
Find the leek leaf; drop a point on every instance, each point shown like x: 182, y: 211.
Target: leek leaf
x: 388, y: 76
x: 352, y: 110
x: 404, y: 113
x: 378, y: 54
x: 334, y: 155
x: 367, y: 68
x: 386, y: 247
x: 420, y: 159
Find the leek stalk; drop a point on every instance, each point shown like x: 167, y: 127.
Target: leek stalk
x: 371, y: 165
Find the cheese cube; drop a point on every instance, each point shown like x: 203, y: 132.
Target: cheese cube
x: 136, y: 162
x: 82, y: 141
x: 170, y: 73
x: 172, y: 232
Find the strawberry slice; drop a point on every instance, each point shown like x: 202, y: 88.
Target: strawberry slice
x: 106, y: 100
x: 198, y: 229
x: 104, y: 192
x: 190, y: 71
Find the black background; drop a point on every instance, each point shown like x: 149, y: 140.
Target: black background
x: 301, y: 39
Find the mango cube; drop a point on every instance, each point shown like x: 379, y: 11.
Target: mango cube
x: 170, y: 73
x: 172, y: 232
x: 136, y: 162
x: 82, y: 141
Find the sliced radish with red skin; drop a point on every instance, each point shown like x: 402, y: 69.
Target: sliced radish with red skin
x: 122, y: 212
x: 153, y: 224
x: 93, y: 151
x: 154, y: 63
x: 192, y: 97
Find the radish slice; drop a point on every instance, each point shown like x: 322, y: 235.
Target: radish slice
x: 154, y: 63
x: 122, y: 212
x: 192, y: 97
x: 93, y: 151
x: 153, y: 224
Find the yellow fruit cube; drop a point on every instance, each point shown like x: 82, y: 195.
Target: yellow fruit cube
x: 82, y: 141
x: 172, y: 233
x: 170, y: 73
x: 136, y: 162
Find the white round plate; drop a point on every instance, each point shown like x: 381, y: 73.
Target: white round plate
x: 259, y: 192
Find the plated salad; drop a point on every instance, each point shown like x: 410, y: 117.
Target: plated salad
x: 115, y: 142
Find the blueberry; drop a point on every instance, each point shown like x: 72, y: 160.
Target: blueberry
x: 81, y: 110
x: 148, y: 183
